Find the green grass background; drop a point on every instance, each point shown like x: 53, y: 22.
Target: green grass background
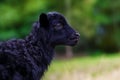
x: 83, y: 68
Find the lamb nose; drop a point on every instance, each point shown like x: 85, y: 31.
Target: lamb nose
x: 77, y: 34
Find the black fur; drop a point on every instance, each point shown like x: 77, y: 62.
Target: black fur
x: 27, y: 59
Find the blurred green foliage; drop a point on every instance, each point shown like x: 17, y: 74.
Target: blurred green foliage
x: 108, y: 18
x: 17, y: 16
x: 97, y: 21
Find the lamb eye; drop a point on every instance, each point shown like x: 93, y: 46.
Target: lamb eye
x: 58, y: 26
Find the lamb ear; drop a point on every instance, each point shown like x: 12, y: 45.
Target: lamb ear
x: 43, y: 19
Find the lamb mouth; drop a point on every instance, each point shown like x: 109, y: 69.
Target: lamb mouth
x: 73, y: 41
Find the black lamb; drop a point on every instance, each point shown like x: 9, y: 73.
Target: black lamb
x: 28, y: 58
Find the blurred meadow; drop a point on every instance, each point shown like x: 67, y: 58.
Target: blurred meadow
x: 97, y: 55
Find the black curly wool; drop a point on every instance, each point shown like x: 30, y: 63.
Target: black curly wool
x: 28, y: 58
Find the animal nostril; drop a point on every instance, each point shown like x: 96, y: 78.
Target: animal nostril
x: 77, y: 34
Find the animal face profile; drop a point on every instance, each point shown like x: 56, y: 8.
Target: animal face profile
x: 57, y: 30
